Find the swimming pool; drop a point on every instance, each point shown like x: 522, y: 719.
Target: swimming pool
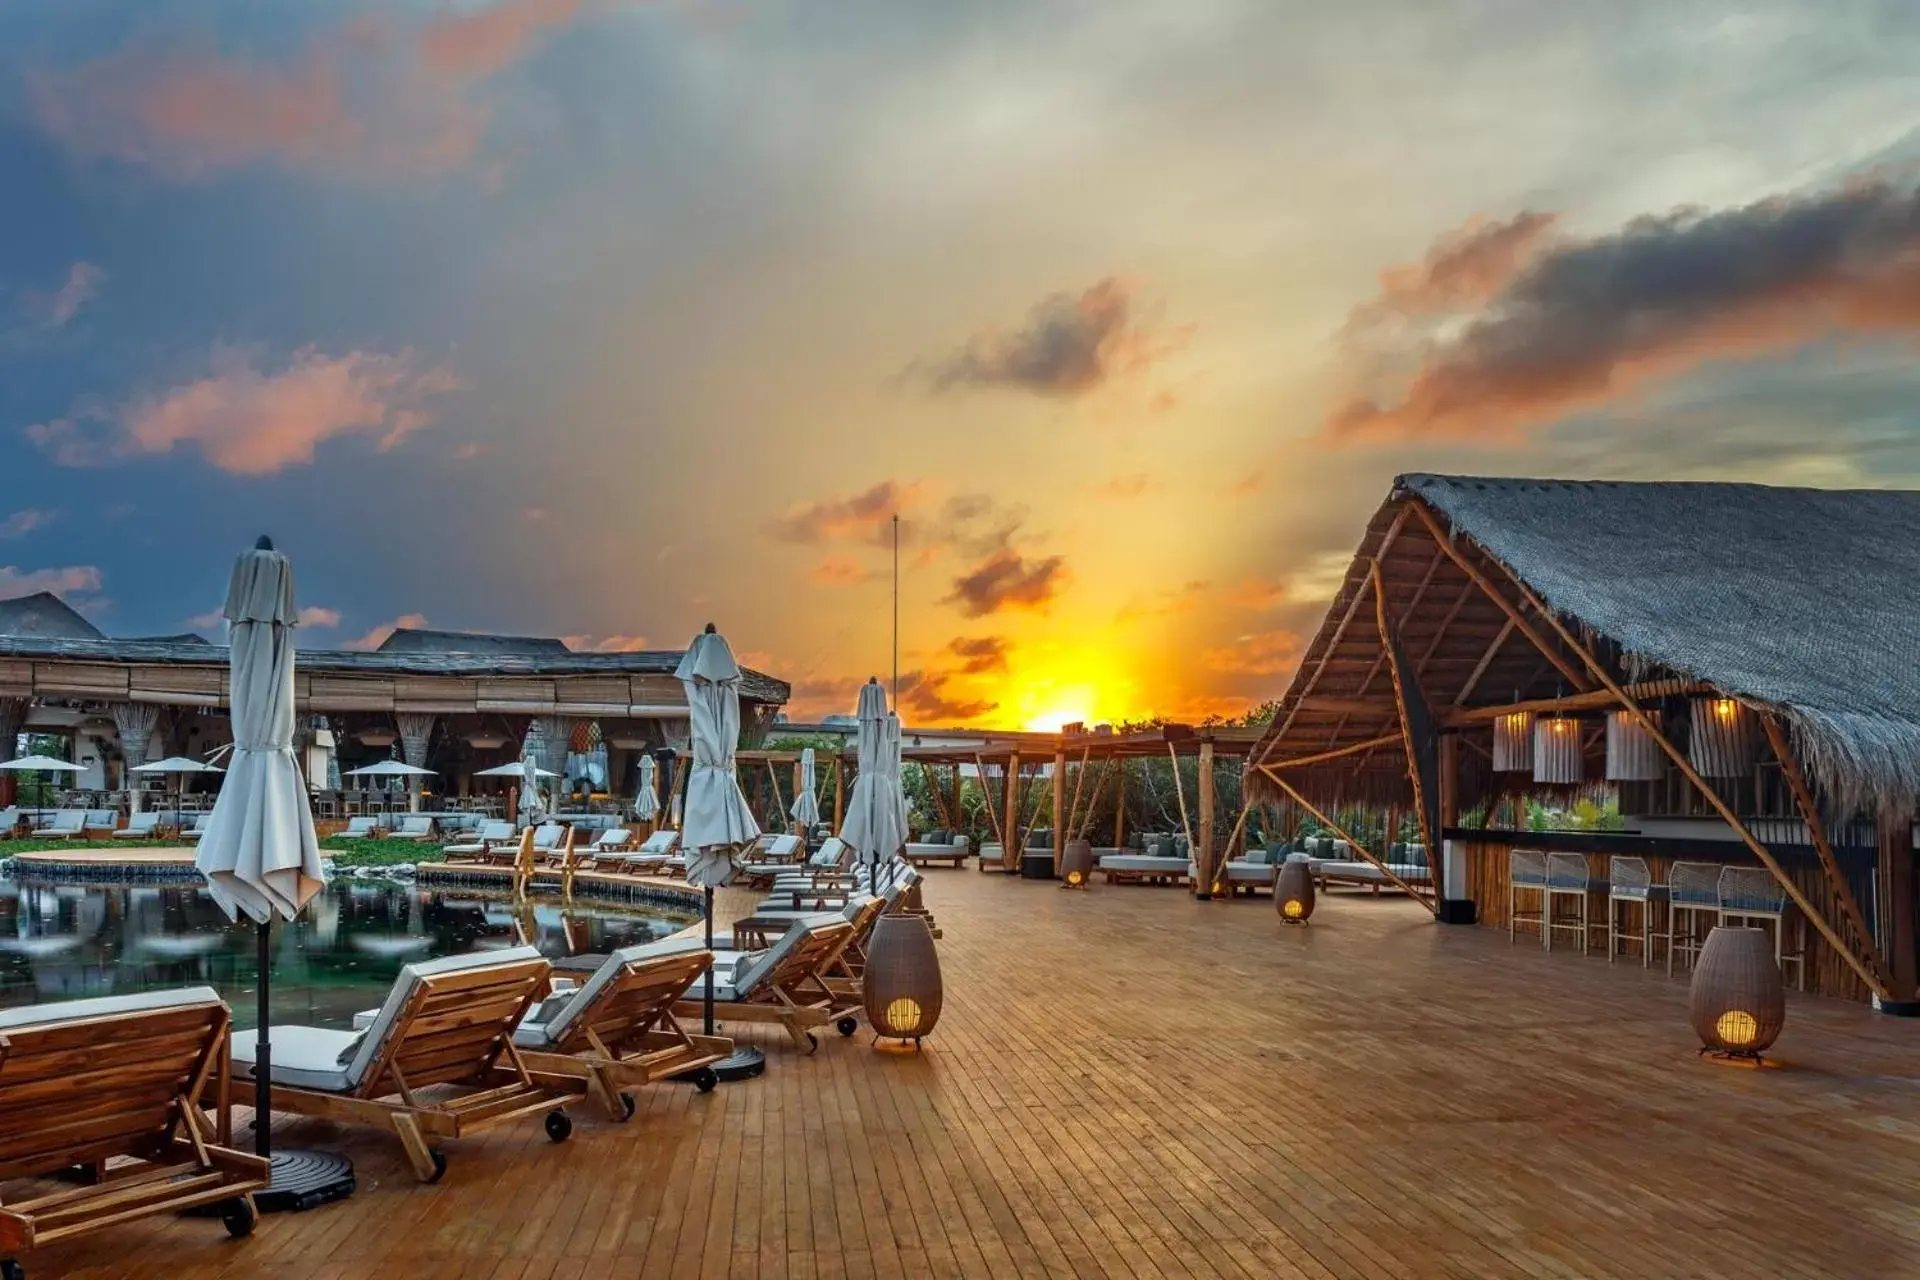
x: 340, y: 956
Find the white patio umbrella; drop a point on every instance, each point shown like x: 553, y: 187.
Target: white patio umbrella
x: 806, y: 805
x: 518, y: 769
x: 716, y: 819
x: 39, y: 764
x: 390, y: 769
x: 646, y: 804
x: 873, y: 826
x: 260, y: 854
x: 180, y: 767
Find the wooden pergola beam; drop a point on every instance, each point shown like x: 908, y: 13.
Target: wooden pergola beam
x: 1573, y: 674
x: 1651, y: 690
x: 1400, y: 679
x: 1321, y: 757
x: 1380, y: 659
x: 1480, y: 667
x: 1352, y: 843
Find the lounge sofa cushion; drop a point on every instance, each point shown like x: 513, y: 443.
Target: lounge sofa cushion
x: 39, y: 1015
x: 303, y: 1057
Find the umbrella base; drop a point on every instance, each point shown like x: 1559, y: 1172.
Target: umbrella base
x: 305, y: 1180
x: 745, y: 1063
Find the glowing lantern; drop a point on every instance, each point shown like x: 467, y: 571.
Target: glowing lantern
x: 1556, y: 750
x: 1738, y: 1002
x: 1076, y: 864
x: 1632, y: 753
x: 1293, y: 889
x: 901, y: 984
x: 1721, y: 741
x: 1513, y: 742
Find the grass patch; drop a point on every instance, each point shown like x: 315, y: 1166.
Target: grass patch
x: 379, y: 853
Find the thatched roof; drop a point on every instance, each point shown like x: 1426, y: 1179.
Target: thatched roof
x: 422, y: 640
x: 44, y: 614
x: 1802, y: 602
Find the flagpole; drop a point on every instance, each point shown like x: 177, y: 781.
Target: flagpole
x: 896, y: 610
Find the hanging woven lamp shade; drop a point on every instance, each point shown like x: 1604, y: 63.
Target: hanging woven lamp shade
x: 1076, y: 864
x: 1632, y: 753
x: 1293, y: 890
x: 1738, y: 1002
x: 1723, y: 741
x: 1513, y: 742
x: 901, y: 985
x: 1556, y: 750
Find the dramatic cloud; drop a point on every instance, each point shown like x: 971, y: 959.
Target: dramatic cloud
x: 71, y: 580
x: 1465, y: 267
x: 813, y: 697
x: 23, y: 522
x: 377, y: 636
x: 57, y: 309
x: 1264, y: 653
x: 1069, y: 347
x: 1126, y: 488
x: 862, y: 517
x: 1582, y: 322
x: 1008, y: 580
x: 314, y: 615
x: 253, y: 422
x: 927, y: 699
x: 374, y: 96
x: 841, y: 571
x: 980, y: 655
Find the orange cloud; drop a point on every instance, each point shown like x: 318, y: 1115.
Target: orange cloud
x: 254, y: 422
x: 377, y: 636
x: 1127, y: 487
x: 1008, y: 580
x: 372, y: 96
x: 1071, y: 345
x: 605, y: 644
x: 70, y: 580
x: 1255, y: 594
x: 980, y: 655
x: 1160, y: 604
x: 316, y: 616
x: 866, y: 516
x: 841, y: 571
x: 1264, y: 653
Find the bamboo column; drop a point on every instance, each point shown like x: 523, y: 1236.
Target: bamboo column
x: 1120, y: 805
x: 1009, y: 849
x: 1210, y: 876
x: 839, y: 793
x: 1059, y: 807
x: 1896, y: 873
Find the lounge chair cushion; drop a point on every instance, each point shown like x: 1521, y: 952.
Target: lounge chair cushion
x: 38, y: 1015
x: 1139, y: 862
x: 658, y: 842
x: 547, y: 1021
x: 1362, y: 870
x: 753, y: 969
x: 303, y: 1057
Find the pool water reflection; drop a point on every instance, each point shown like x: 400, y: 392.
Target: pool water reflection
x: 340, y: 956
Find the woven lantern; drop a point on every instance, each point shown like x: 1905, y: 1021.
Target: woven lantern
x: 901, y: 985
x: 1722, y: 742
x: 1293, y: 890
x: 1632, y: 753
x: 1738, y: 1002
x: 1076, y: 864
x: 1556, y: 750
x: 1513, y: 742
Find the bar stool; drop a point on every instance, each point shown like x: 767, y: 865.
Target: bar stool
x: 1750, y: 895
x: 1568, y: 877
x: 1629, y: 881
x: 1526, y: 873
x: 1693, y: 892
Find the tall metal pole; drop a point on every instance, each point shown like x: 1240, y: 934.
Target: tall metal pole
x: 896, y: 611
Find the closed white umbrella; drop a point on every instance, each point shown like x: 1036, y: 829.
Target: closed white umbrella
x: 894, y: 768
x: 531, y: 810
x: 260, y: 854
x: 873, y: 828
x: 715, y: 818
x: 646, y: 805
x: 806, y: 805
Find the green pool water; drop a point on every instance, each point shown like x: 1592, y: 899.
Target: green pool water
x: 70, y: 942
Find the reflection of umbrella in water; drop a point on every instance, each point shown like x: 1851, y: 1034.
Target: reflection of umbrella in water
x: 387, y: 948
x: 182, y: 945
x: 38, y: 948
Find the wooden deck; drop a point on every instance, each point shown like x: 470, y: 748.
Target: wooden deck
x: 1130, y: 1083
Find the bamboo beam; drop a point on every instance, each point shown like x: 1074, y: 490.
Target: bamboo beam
x: 1406, y: 724
x: 1059, y: 807
x: 1339, y: 632
x: 1180, y: 794
x: 839, y: 793
x: 1646, y: 691
x: 1446, y: 624
x: 1711, y: 796
x: 1321, y: 757
x: 1354, y: 844
x: 1480, y: 667
x: 1224, y: 884
x: 1120, y: 808
x: 1817, y: 832
x: 1573, y: 674
x: 1204, y: 850
x: 1380, y: 659
x: 1073, y: 813
x: 1010, y: 849
x: 986, y: 795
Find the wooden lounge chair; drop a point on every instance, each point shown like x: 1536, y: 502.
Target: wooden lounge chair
x: 445, y: 1022
x: 86, y: 1081
x: 140, y: 826
x: 67, y: 824
x: 651, y: 857
x: 772, y: 856
x: 101, y: 824
x: 785, y: 983
x: 474, y: 849
x: 196, y: 828
x: 10, y: 819
x: 618, y: 1031
x: 413, y: 826
x: 364, y: 827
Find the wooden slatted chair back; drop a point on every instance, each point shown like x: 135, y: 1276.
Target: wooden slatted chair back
x: 456, y: 1026
x: 636, y: 1002
x: 806, y: 963
x: 78, y: 1091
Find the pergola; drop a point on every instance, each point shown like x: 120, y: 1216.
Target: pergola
x: 1652, y: 612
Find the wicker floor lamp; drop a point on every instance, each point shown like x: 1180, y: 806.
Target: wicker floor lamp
x: 1076, y: 864
x: 1293, y: 889
x: 1738, y: 1002
x: 901, y: 985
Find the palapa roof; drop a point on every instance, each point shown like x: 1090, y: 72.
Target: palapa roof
x: 1804, y: 603
x: 423, y: 640
x: 44, y: 614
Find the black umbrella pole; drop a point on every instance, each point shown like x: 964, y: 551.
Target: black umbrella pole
x: 263, y: 1057
x: 709, y: 1000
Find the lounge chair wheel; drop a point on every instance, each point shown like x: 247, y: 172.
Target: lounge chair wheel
x: 238, y: 1216
x: 628, y: 1105
x: 705, y: 1079
x: 846, y: 1026
x: 559, y: 1126
x: 11, y: 1270
x: 439, y: 1165
x: 813, y: 1042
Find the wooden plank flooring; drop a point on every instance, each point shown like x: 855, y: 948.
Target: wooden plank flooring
x: 1129, y: 1083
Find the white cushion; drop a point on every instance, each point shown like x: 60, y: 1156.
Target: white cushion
x: 612, y: 835
x: 303, y: 1057
x: 38, y: 1015
x: 747, y: 978
x: 533, y: 1034
x: 1367, y: 871
x: 1141, y: 862
x: 402, y: 990
x: 659, y: 842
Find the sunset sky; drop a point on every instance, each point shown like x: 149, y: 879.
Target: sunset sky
x: 603, y: 319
